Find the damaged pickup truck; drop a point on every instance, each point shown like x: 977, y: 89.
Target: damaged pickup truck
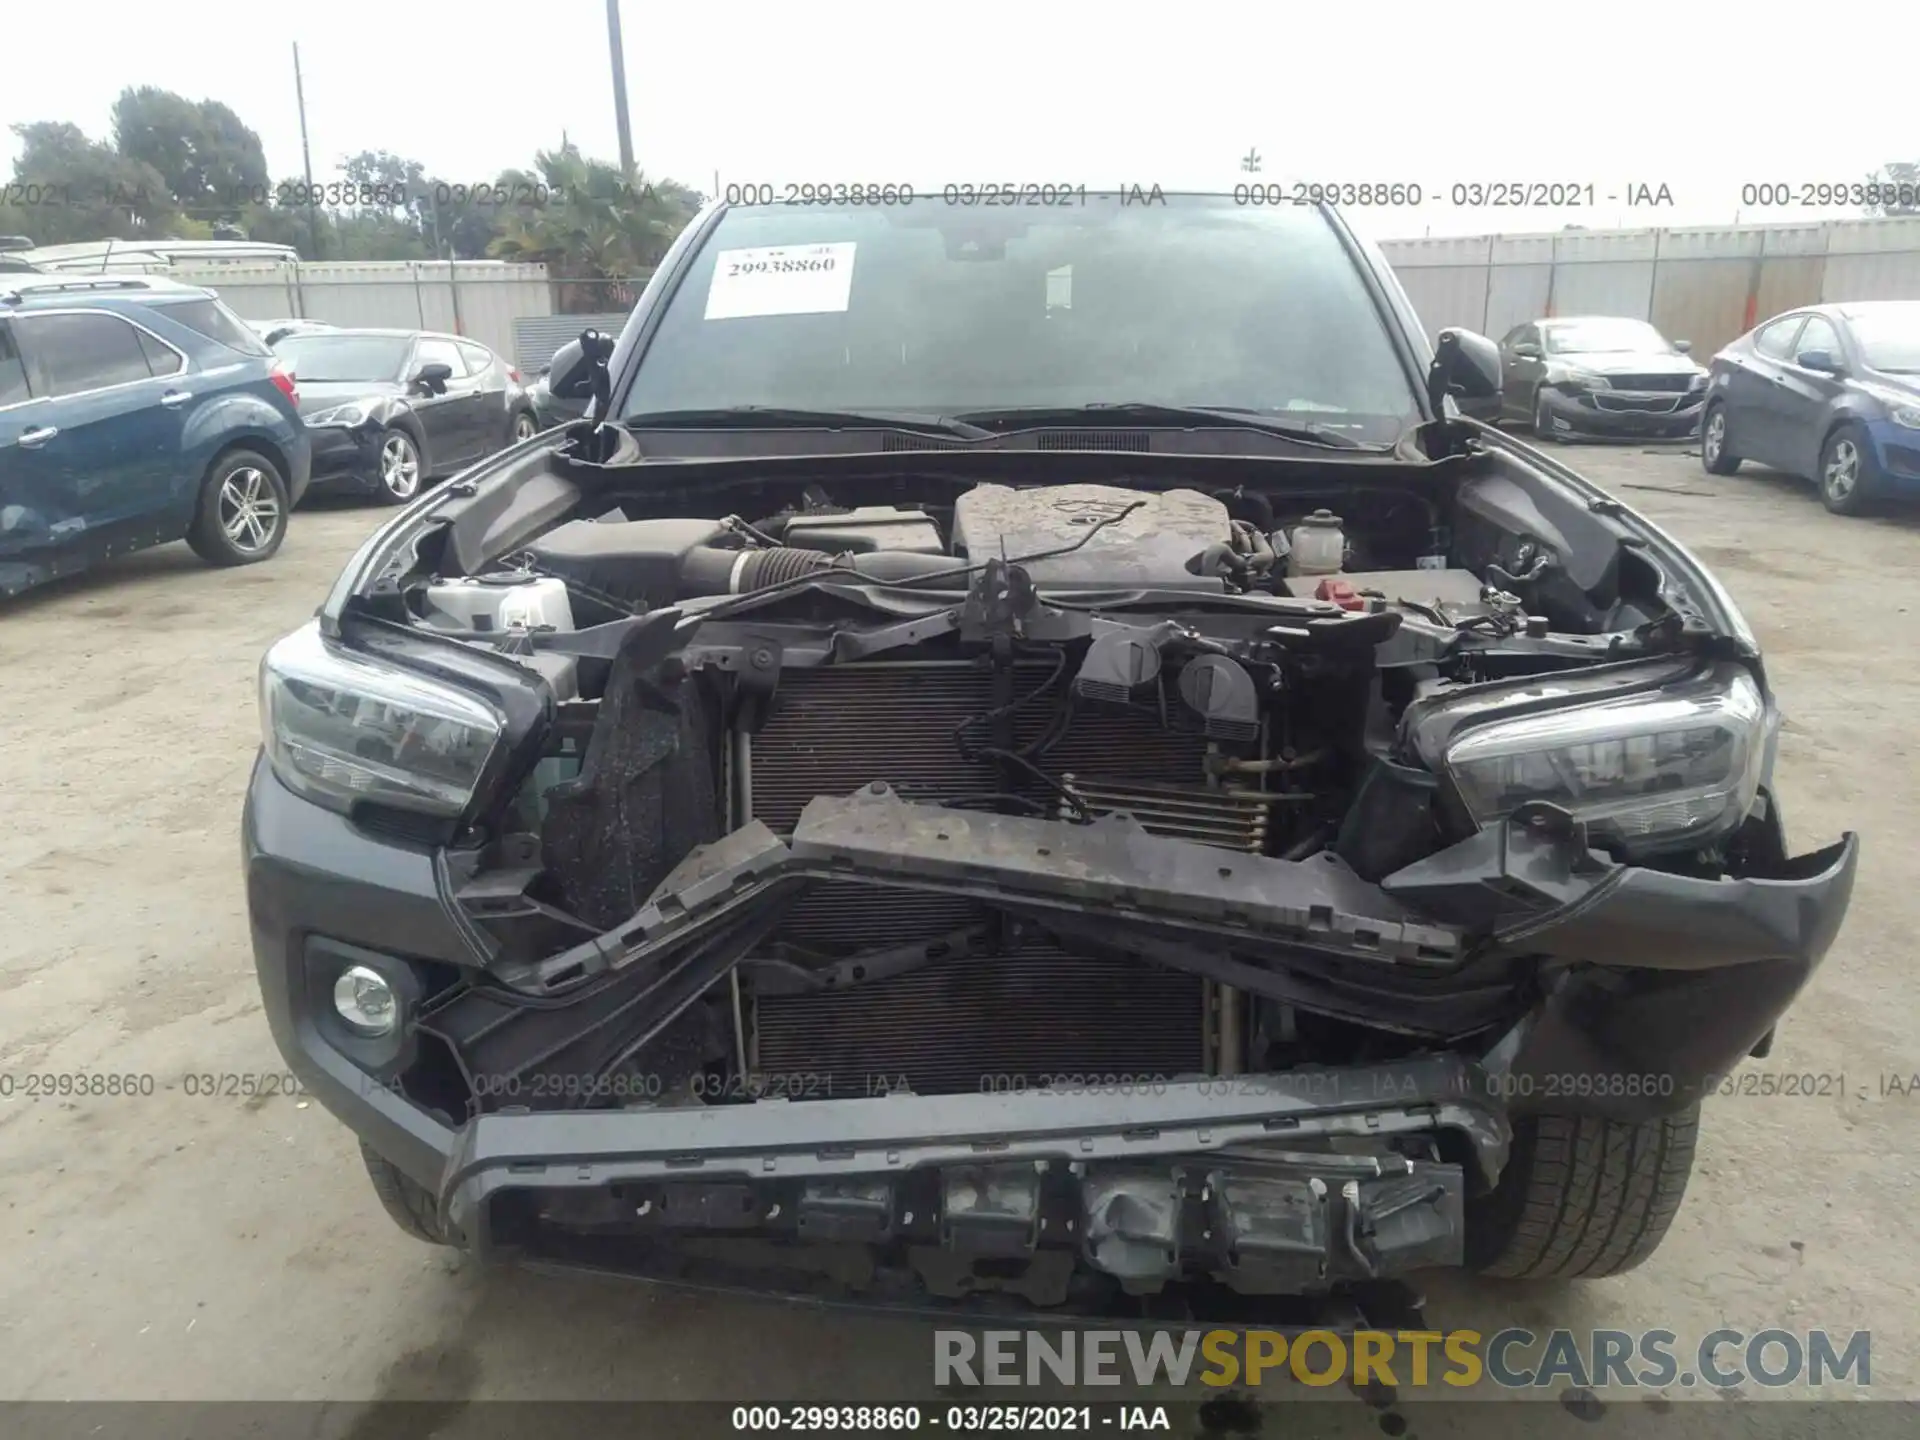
x: 1033, y: 758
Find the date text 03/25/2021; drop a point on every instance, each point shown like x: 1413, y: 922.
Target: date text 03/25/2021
x: 950, y: 1419
x: 1361, y: 194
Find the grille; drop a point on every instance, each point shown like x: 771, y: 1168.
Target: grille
x: 1094, y: 440
x: 894, y: 441
x: 1646, y: 404
x: 989, y: 1022
x: 1665, y: 384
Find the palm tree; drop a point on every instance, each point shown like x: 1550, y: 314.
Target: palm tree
x: 597, y: 231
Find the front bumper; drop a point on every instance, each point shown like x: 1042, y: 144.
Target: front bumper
x: 1650, y: 987
x: 1897, y: 457
x: 345, y: 461
x: 1623, y: 414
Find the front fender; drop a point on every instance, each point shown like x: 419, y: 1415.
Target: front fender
x: 223, y: 419
x: 394, y: 413
x: 1655, y: 984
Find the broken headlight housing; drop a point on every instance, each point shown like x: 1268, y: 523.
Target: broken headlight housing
x: 1678, y: 765
x: 342, y: 731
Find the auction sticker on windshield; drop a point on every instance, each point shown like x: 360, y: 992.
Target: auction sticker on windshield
x: 781, y: 280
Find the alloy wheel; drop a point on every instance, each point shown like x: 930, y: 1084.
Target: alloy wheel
x: 399, y: 466
x: 1843, y: 469
x: 249, y: 510
x: 1715, y: 440
x: 523, y: 428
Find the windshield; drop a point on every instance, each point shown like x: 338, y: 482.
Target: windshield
x: 940, y: 309
x: 320, y: 358
x: 1888, y: 337
x: 1587, y: 337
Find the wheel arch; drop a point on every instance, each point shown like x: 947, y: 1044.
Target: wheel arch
x: 262, y: 445
x: 403, y: 419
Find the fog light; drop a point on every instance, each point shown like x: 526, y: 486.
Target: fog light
x: 366, y: 1001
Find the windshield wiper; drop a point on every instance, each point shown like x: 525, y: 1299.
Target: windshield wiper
x: 755, y: 417
x: 1147, y: 412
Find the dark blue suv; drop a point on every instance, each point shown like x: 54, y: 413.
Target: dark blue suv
x: 135, y: 411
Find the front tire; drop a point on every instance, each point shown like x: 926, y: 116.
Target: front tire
x: 241, y: 517
x: 1582, y: 1197
x: 400, y: 470
x: 409, y: 1204
x: 525, y: 427
x: 1847, y: 476
x: 1716, y: 449
x: 1542, y: 423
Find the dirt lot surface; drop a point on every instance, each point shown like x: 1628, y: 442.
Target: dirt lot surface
x: 185, y: 1247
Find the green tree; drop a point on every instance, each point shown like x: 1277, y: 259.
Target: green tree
x: 596, y: 230
x: 70, y: 188
x: 1904, y: 176
x: 209, y: 161
x: 454, y: 221
x: 311, y: 234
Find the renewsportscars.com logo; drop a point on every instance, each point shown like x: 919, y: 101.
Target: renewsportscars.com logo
x: 1511, y: 1359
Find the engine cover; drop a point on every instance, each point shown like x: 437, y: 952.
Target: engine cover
x: 1150, y: 547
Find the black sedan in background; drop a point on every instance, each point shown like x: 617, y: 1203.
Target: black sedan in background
x: 389, y: 409
x: 1599, y: 375
x: 272, y: 332
x: 1831, y: 393
x: 548, y: 408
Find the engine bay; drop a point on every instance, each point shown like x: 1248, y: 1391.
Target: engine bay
x: 1224, y: 667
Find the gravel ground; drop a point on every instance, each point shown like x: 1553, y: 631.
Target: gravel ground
x: 200, y: 1248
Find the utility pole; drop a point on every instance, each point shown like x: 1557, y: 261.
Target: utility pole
x: 620, y: 87
x: 306, y: 154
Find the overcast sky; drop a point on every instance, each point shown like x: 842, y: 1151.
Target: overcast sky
x: 1696, y: 98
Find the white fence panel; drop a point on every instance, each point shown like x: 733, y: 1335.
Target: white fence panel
x: 1608, y: 287
x: 1515, y: 295
x: 1704, y: 284
x: 480, y: 299
x: 1444, y: 295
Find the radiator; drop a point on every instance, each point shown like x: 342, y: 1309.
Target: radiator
x: 983, y: 1022
x: 974, y: 1020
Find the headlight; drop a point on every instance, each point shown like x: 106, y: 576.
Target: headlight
x: 1584, y: 380
x: 1907, y: 415
x: 339, y: 729
x: 1699, y: 381
x: 1679, y: 765
x: 350, y: 414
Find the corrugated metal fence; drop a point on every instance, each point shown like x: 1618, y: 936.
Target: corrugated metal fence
x: 1703, y: 285
x: 536, y: 338
x: 477, y: 298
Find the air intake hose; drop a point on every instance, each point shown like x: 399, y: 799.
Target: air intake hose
x: 709, y: 570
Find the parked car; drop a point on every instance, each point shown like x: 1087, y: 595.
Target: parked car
x: 135, y: 411
x: 1831, y: 393
x: 274, y: 331
x: 389, y: 409
x: 1089, y: 683
x: 549, y: 409
x: 1600, y: 375
x: 12, y: 261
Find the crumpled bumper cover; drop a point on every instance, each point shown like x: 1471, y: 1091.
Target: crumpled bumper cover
x: 1666, y: 982
x: 1646, y: 987
x: 1580, y: 419
x: 346, y: 459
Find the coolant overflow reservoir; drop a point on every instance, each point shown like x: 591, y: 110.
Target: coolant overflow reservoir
x: 487, y: 605
x: 1319, y: 545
